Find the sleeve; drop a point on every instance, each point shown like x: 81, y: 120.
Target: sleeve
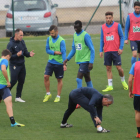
x: 132, y: 69
x: 99, y: 112
x: 63, y: 49
x: 120, y: 32
x: 127, y: 26
x: 48, y: 48
x: 4, y: 62
x: 89, y: 43
x: 72, y: 52
x: 101, y: 41
x: 25, y: 53
x: 9, y: 47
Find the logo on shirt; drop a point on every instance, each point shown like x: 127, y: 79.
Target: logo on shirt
x: 136, y: 29
x: 14, y: 67
x: 109, y: 38
x: 78, y: 46
x: 15, y: 47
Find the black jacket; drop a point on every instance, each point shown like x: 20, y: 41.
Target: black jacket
x: 14, y: 47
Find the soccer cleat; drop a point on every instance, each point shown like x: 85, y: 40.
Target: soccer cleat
x: 78, y: 106
x: 66, y: 125
x: 108, y: 88
x: 19, y: 100
x: 138, y: 135
x: 125, y: 86
x: 103, y: 131
x: 47, y: 97
x: 57, y: 99
x: 17, y: 124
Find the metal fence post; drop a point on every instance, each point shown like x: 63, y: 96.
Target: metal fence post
x: 120, y: 5
x: 13, y: 17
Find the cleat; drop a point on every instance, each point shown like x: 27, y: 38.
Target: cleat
x: 66, y: 125
x: 57, y: 99
x: 47, y: 97
x: 19, y: 100
x: 138, y: 135
x: 108, y: 88
x: 78, y: 106
x: 125, y: 86
x: 103, y: 131
x: 17, y: 124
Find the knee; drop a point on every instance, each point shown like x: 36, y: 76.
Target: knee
x: 46, y: 77
x: 108, y: 69
x: 59, y: 80
x: 119, y: 69
x: 135, y: 54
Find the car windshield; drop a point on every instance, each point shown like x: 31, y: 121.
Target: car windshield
x: 29, y: 5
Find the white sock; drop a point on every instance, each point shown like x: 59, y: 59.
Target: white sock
x: 122, y: 78
x: 110, y: 82
x: 58, y: 96
x: 100, y: 128
x: 48, y: 93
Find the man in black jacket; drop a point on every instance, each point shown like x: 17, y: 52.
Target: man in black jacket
x: 17, y: 67
x: 92, y: 101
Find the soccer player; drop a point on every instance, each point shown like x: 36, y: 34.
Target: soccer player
x: 92, y: 101
x: 132, y: 27
x: 5, y: 84
x: 112, y: 42
x: 135, y: 72
x: 83, y: 47
x: 56, y: 49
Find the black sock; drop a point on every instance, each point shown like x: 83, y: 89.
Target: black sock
x: 138, y: 128
x: 12, y: 120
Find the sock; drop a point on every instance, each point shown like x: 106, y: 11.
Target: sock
x: 110, y: 82
x: 58, y: 96
x: 123, y: 79
x: 100, y: 128
x: 89, y: 84
x: 133, y: 60
x: 138, y: 59
x: 48, y: 93
x: 79, y: 82
x: 12, y: 120
x: 138, y: 128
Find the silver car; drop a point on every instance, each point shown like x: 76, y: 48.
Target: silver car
x: 31, y: 16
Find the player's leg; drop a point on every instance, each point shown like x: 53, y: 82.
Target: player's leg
x: 59, y: 73
x: 48, y: 72
x: 108, y: 64
x: 138, y: 42
x: 134, y: 47
x: 88, y: 79
x: 21, y: 80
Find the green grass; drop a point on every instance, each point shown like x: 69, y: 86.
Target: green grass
x: 43, y: 120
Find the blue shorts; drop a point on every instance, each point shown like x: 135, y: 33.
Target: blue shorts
x: 110, y: 57
x: 135, y: 46
x: 5, y: 92
x: 83, y: 68
x: 57, y: 69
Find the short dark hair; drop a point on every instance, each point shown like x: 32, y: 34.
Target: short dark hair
x: 78, y: 22
x: 136, y: 3
x: 109, y: 13
x: 18, y: 30
x: 109, y: 97
x: 53, y: 27
x: 6, y: 52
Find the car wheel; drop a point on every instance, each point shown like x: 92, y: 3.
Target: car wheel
x: 8, y: 34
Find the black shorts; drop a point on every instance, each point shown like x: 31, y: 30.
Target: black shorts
x: 83, y: 68
x: 136, y: 103
x: 57, y: 69
x: 4, y: 93
x: 135, y: 46
x: 110, y: 57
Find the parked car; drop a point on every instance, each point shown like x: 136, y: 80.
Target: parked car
x: 127, y: 8
x: 31, y: 16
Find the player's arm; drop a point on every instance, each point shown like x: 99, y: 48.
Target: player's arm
x: 120, y: 32
x: 101, y: 43
x: 89, y: 43
x: 127, y: 27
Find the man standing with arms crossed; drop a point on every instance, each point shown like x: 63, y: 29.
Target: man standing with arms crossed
x: 56, y: 49
x: 132, y: 27
x: 112, y: 42
x: 84, y: 49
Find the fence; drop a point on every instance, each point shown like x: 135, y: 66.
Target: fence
x: 36, y: 16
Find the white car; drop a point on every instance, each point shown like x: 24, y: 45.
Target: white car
x: 127, y: 8
x: 31, y: 16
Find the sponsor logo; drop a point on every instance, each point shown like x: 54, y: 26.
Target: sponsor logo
x: 136, y: 29
x: 15, y: 47
x: 14, y: 67
x: 109, y: 38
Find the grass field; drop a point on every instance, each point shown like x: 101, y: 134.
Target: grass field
x: 43, y: 120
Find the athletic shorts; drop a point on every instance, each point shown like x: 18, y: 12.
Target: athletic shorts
x: 136, y: 103
x: 57, y: 69
x: 5, y: 92
x: 135, y: 46
x: 110, y: 57
x: 83, y: 68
